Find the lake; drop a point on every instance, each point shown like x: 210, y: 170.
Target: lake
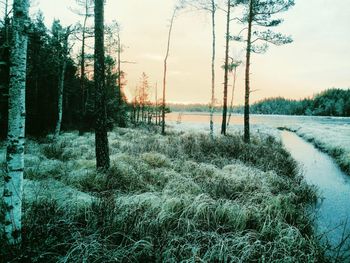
x: 255, y: 119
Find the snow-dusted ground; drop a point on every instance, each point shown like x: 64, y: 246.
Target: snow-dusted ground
x: 330, y: 134
x: 333, y: 139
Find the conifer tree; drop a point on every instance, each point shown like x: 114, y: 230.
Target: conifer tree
x: 259, y: 16
x: 101, y: 139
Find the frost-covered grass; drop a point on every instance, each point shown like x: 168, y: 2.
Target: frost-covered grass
x: 332, y: 139
x: 175, y: 198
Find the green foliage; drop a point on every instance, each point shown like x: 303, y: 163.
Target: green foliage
x: 332, y: 102
x: 116, y: 108
x: 43, y: 66
x: 261, y: 14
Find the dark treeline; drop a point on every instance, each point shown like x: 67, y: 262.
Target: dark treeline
x: 44, y: 63
x: 332, y: 102
x: 193, y: 107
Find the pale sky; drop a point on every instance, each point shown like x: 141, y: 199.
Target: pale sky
x: 319, y: 57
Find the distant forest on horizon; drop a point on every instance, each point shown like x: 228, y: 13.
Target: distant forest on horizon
x: 331, y: 102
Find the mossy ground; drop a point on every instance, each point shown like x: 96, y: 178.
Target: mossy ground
x: 176, y: 198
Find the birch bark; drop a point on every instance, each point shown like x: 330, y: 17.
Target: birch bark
x: 61, y: 82
x: 13, y: 179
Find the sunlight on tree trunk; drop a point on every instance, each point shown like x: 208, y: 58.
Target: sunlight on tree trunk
x: 13, y: 179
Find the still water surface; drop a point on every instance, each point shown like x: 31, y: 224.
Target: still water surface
x: 270, y: 120
x: 333, y: 209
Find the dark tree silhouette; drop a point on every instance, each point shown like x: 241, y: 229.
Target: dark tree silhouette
x: 260, y: 14
x: 224, y: 109
x: 101, y: 139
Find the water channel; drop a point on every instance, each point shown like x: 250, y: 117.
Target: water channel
x: 332, y: 210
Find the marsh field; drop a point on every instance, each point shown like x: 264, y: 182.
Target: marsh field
x: 129, y: 131
x: 182, y: 197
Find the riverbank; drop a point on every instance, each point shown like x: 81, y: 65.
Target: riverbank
x: 174, y: 198
x: 333, y: 140
x: 330, y: 134
x: 333, y: 185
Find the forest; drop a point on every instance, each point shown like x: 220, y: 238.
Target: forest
x: 331, y: 102
x: 90, y: 172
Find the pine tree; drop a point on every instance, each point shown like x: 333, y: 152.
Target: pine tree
x: 224, y: 109
x: 101, y: 139
x: 260, y: 14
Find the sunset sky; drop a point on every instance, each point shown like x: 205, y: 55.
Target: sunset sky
x: 319, y: 57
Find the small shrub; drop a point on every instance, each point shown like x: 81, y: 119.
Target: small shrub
x: 156, y: 160
x: 54, y: 150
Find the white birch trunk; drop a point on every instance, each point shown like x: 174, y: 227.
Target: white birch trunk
x: 13, y: 180
x: 60, y: 99
x: 61, y: 83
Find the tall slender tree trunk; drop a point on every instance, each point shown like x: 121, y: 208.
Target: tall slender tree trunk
x: 61, y: 82
x: 232, y: 96
x: 13, y: 179
x: 83, y: 91
x: 119, y: 72
x: 165, y: 70
x: 134, y: 113
x: 82, y: 69
x: 6, y: 24
x: 156, y: 104
x: 60, y: 98
x: 101, y: 139
x: 247, y: 72
x: 142, y: 113
x: 213, y: 10
x: 224, y: 110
